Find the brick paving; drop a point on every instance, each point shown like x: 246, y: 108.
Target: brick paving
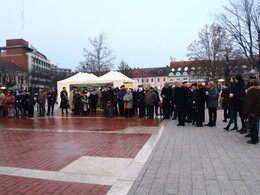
x: 53, y: 151
x: 11, y: 185
x: 80, y: 123
x: 206, y: 160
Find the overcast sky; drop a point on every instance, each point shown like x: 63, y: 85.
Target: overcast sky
x: 143, y: 33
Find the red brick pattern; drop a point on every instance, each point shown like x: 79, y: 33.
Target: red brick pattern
x: 88, y: 124
x: 12, y: 185
x: 53, y: 151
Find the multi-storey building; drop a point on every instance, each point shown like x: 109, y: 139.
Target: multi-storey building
x: 30, y: 59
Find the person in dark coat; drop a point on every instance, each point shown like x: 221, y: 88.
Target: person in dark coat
x: 64, y: 100
x: 166, y: 98
x: 21, y: 104
x: 139, y: 101
x: 77, y: 103
x: 239, y: 97
x: 212, y: 103
x: 150, y: 99
x: 174, y: 117
x: 226, y: 101
x: 51, y: 100
x: 156, y: 106
x: 93, y: 100
x: 120, y: 96
x: 31, y: 101
x: 232, y: 105
x: 192, y: 104
x: 181, y: 98
x: 107, y: 97
x: 199, y: 101
x: 252, y: 110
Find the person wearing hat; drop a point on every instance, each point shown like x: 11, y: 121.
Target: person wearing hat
x: 150, y: 99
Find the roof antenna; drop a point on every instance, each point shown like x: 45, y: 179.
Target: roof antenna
x: 22, y: 18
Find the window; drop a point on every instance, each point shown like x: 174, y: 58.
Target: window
x: 185, y: 78
x: 163, y: 79
x: 178, y: 79
x: 151, y: 80
x: 158, y: 80
x: 137, y: 80
x: 142, y: 80
x: 147, y: 80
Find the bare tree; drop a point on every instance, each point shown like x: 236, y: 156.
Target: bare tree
x: 99, y: 59
x: 124, y: 68
x: 210, y: 50
x: 241, y: 19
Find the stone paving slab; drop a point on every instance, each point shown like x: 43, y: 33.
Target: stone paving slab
x: 11, y: 185
x: 204, y: 160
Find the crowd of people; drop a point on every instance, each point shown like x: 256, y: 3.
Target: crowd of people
x: 22, y: 105
x: 184, y: 102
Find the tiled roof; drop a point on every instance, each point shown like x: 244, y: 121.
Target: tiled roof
x: 9, y: 66
x: 185, y: 64
x: 150, y: 72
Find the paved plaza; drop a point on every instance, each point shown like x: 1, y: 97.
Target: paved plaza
x: 66, y: 154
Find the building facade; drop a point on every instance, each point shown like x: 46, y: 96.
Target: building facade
x: 37, y: 65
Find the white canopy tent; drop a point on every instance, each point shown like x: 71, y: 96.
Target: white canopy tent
x: 79, y: 78
x: 112, y: 78
x: 117, y: 78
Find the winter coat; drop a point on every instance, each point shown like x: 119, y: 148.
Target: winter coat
x: 20, y: 101
x: 167, y: 93
x: 9, y: 101
x: 93, y: 97
x: 64, y: 99
x: 181, y: 98
x: 51, y: 97
x: 240, y: 92
x: 139, y: 99
x: 252, y: 101
x: 150, y: 98
x: 120, y: 95
x: 212, y: 100
x: 128, y: 98
x: 226, y: 102
x: 42, y: 98
x: 200, y: 98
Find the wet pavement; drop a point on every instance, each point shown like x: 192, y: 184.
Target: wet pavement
x: 67, y: 154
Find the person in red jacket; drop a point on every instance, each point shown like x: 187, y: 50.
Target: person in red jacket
x: 9, y: 104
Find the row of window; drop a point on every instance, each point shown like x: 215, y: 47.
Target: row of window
x: 151, y: 80
x: 37, y: 61
x: 16, y: 79
x: 40, y: 68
